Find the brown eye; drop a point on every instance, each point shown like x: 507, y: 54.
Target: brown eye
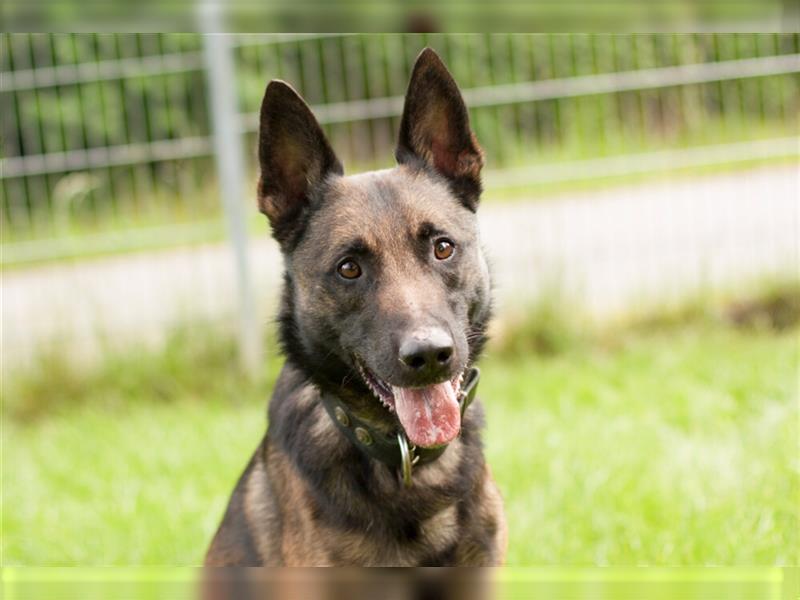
x: 349, y: 269
x: 443, y: 248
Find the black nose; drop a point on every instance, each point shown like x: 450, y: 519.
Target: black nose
x: 427, y: 352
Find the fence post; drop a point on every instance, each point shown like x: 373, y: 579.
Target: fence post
x: 231, y: 173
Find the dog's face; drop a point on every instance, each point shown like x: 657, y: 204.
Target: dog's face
x: 387, y: 289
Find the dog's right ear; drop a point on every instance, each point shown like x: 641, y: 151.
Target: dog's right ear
x: 294, y: 156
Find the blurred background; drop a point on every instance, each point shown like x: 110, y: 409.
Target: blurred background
x: 640, y: 214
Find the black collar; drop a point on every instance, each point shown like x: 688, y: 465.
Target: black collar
x: 393, y: 450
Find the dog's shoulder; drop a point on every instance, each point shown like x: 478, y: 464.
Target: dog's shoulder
x: 298, y: 424
x: 233, y: 543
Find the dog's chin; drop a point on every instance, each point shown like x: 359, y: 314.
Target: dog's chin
x: 430, y: 415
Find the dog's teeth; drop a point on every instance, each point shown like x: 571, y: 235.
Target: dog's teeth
x: 373, y: 387
x: 459, y: 381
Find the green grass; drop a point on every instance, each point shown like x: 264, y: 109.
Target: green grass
x: 675, y: 448
x: 673, y: 445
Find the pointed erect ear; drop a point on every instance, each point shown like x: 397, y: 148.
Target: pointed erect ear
x: 435, y: 128
x: 294, y: 157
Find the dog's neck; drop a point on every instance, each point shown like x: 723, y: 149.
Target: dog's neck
x: 393, y: 448
x: 330, y: 464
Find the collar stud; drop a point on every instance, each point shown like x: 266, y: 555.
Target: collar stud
x: 341, y: 416
x: 363, y: 436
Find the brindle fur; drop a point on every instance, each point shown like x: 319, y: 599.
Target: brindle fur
x: 308, y: 496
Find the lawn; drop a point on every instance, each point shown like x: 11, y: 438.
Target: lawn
x: 668, y: 446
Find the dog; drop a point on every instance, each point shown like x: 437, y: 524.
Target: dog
x: 373, y: 455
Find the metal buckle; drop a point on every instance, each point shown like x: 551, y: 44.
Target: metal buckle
x: 408, y: 458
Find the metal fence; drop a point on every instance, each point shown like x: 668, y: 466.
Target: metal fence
x: 111, y: 132
x: 107, y: 140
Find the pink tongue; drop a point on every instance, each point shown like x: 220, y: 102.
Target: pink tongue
x: 430, y: 415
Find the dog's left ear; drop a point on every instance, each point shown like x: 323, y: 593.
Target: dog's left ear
x: 435, y: 129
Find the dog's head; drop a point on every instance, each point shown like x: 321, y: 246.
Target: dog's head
x: 387, y: 290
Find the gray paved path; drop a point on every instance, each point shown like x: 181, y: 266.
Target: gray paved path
x: 611, y: 250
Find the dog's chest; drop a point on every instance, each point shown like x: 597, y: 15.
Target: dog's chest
x: 432, y: 537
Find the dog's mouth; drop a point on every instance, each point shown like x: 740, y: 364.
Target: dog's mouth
x: 430, y: 415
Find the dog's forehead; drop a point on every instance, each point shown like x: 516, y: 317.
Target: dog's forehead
x: 383, y: 207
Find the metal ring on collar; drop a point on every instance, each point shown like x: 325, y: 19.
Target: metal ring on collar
x: 407, y: 461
